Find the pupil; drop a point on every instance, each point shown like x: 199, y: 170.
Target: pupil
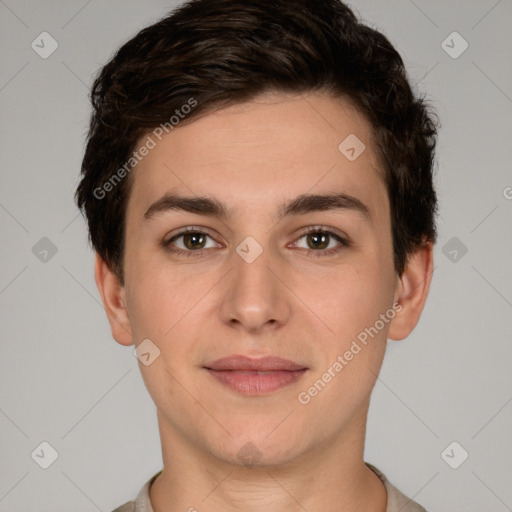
x: 192, y: 239
x: 319, y: 241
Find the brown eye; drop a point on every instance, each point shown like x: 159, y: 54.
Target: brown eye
x: 190, y: 242
x: 194, y: 241
x: 321, y: 242
x: 318, y: 240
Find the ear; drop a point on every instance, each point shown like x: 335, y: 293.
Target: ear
x: 114, y: 301
x: 412, y: 291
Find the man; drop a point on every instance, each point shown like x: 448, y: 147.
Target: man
x: 258, y: 187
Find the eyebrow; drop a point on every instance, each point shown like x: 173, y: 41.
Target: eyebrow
x: 305, y: 203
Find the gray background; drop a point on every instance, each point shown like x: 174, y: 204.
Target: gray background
x: 65, y: 381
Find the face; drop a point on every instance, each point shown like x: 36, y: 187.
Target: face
x: 261, y: 274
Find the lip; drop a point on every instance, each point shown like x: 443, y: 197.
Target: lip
x: 262, y: 364
x: 255, y: 376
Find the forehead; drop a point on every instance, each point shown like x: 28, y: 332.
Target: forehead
x: 257, y: 153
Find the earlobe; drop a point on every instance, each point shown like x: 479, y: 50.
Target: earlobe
x: 112, y: 296
x: 412, y: 292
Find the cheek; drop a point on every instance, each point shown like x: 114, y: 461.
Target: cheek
x: 350, y: 299
x: 162, y: 301
x: 351, y: 303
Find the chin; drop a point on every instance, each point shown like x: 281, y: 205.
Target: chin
x: 260, y: 450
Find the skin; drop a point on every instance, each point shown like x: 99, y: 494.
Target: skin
x: 288, y: 302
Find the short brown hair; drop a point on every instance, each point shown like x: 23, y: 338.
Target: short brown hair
x: 223, y: 52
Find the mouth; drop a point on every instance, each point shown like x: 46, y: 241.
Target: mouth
x: 255, y: 376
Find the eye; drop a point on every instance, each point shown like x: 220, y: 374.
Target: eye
x: 321, y: 242
x: 190, y: 242
x: 317, y: 241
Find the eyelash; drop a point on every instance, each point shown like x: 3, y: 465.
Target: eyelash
x: 167, y: 245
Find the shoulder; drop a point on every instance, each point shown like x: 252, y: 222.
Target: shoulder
x: 397, y: 502
x: 129, y: 506
x: 142, y: 503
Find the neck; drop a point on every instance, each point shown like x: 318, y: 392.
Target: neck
x: 333, y: 471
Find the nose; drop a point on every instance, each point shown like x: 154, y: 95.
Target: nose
x: 254, y: 296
